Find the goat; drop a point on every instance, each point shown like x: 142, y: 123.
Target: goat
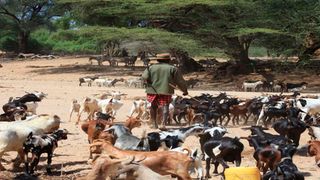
x: 37, y: 145
x: 314, y: 132
x: 268, y: 155
x: 107, y: 167
x: 269, y: 112
x: 215, y: 133
x: 15, y: 114
x: 252, y: 86
x: 87, y: 80
x: 314, y: 150
x: 136, y: 82
x: 183, y: 133
x: 139, y: 106
x: 94, y: 105
x: 196, y: 165
x: 262, y: 136
x: 101, y: 82
x: 13, y: 134
x: 240, y: 110
x: 221, y: 150
x: 296, y: 87
x: 126, y: 141
x: 164, y: 163
x: 285, y: 169
x: 308, y: 106
x: 20, y: 102
x: 291, y: 128
x: 75, y: 107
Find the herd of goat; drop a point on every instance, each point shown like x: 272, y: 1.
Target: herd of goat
x: 137, y: 82
x: 159, y: 154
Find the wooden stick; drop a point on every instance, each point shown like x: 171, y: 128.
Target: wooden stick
x: 176, y: 87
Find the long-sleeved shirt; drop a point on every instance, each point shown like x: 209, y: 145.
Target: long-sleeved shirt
x: 160, y: 76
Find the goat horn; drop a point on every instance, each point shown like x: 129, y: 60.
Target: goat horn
x: 108, y: 129
x: 188, y: 150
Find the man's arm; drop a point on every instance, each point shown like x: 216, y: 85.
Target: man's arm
x: 145, y: 75
x: 180, y: 82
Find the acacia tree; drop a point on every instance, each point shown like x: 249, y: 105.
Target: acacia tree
x: 26, y: 16
x: 299, y: 21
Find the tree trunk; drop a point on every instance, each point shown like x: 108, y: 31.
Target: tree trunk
x: 23, y: 39
x: 238, y: 49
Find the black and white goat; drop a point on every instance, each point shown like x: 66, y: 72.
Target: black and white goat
x: 36, y: 145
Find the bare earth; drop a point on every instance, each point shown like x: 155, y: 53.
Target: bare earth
x: 59, y: 78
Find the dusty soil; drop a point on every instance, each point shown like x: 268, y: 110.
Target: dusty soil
x: 59, y: 78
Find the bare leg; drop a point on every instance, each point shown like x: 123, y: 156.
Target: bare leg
x: 165, y: 114
x: 153, y: 114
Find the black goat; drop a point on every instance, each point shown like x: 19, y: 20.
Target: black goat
x: 14, y: 114
x: 264, y: 136
x: 296, y: 86
x: 291, y: 128
x: 155, y: 141
x: 222, y: 150
x: 41, y: 144
x: 20, y: 102
x: 212, y: 133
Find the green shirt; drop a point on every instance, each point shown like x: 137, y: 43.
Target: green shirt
x: 160, y: 76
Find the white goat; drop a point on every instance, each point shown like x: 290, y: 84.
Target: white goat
x: 139, y: 107
x: 197, y: 163
x: 13, y: 134
x: 252, y: 86
x: 110, y: 105
x: 117, y: 95
x: 136, y: 82
x: 308, y: 106
x: 101, y: 82
x: 75, y: 107
x: 91, y: 106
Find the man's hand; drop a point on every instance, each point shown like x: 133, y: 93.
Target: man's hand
x: 185, y: 93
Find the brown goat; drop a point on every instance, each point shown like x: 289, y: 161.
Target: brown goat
x: 164, y: 163
x: 240, y: 110
x: 132, y: 122
x: 269, y: 157
x: 94, y: 129
x: 314, y: 150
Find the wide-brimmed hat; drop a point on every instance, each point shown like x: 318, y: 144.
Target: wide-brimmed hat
x: 163, y: 56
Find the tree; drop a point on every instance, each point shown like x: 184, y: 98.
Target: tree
x: 25, y: 16
x: 299, y: 21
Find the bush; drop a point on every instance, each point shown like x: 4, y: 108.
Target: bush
x: 8, y: 43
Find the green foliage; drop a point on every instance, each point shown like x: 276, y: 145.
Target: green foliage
x: 90, y: 39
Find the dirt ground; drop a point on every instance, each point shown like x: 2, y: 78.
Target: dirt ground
x: 59, y: 78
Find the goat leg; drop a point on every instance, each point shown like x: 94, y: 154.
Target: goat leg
x: 19, y: 159
x: 26, y: 164
x: 34, y: 163
x: 216, y: 165
x: 246, y: 120
x: 226, y: 124
x: 223, y: 163
x: 208, y: 160
x: 49, y: 163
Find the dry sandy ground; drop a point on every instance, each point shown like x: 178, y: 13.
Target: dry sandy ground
x: 59, y: 78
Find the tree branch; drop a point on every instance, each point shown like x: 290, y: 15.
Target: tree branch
x: 6, y: 12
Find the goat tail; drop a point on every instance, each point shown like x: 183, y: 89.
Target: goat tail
x: 188, y: 150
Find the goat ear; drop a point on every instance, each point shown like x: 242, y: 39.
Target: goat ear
x: 30, y: 135
x: 195, y: 153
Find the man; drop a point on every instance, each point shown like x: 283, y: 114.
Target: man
x: 161, y: 78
